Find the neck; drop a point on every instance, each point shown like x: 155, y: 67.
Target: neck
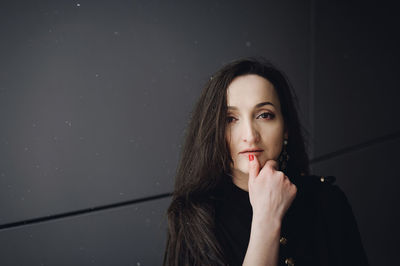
x: 241, y: 180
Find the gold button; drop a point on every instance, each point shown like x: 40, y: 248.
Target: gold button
x: 322, y: 179
x: 283, y: 240
x: 289, y: 261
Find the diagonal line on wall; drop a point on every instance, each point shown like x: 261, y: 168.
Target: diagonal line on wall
x: 80, y: 212
x: 356, y: 147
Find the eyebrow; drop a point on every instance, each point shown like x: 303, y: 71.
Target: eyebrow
x: 256, y: 106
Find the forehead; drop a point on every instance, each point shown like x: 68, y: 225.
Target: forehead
x: 246, y: 91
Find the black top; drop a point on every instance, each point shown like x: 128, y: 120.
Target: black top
x: 319, y: 228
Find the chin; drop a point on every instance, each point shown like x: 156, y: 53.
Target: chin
x: 244, y: 169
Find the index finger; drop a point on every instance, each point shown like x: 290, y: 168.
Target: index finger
x: 254, y: 166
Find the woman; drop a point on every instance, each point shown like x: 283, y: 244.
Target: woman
x: 243, y: 194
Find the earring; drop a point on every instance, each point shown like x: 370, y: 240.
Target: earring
x: 284, y: 157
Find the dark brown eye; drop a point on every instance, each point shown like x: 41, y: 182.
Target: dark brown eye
x: 229, y: 119
x: 266, y: 115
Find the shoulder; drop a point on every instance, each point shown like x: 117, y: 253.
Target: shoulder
x: 323, y: 199
x: 334, y: 218
x: 314, y: 180
x: 329, y: 202
x: 315, y: 183
x: 321, y: 189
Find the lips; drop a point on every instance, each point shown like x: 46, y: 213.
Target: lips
x: 251, y: 151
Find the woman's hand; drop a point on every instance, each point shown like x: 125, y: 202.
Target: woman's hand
x: 270, y: 191
x: 271, y: 194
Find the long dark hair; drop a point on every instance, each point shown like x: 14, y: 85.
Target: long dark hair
x: 206, y: 157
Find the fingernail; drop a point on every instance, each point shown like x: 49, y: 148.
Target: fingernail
x: 251, y: 157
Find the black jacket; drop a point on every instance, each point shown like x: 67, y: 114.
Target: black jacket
x: 318, y: 229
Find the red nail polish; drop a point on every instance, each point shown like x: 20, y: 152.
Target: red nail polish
x: 251, y: 157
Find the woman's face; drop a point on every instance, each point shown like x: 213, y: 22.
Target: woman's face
x: 254, y: 121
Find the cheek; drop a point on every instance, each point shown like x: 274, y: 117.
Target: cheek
x: 273, y: 141
x: 277, y: 150
x: 277, y: 147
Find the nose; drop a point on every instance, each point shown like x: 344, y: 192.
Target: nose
x: 250, y: 132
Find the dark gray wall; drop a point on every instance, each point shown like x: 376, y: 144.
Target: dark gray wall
x: 94, y: 100
x: 356, y: 115
x: 95, y: 95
